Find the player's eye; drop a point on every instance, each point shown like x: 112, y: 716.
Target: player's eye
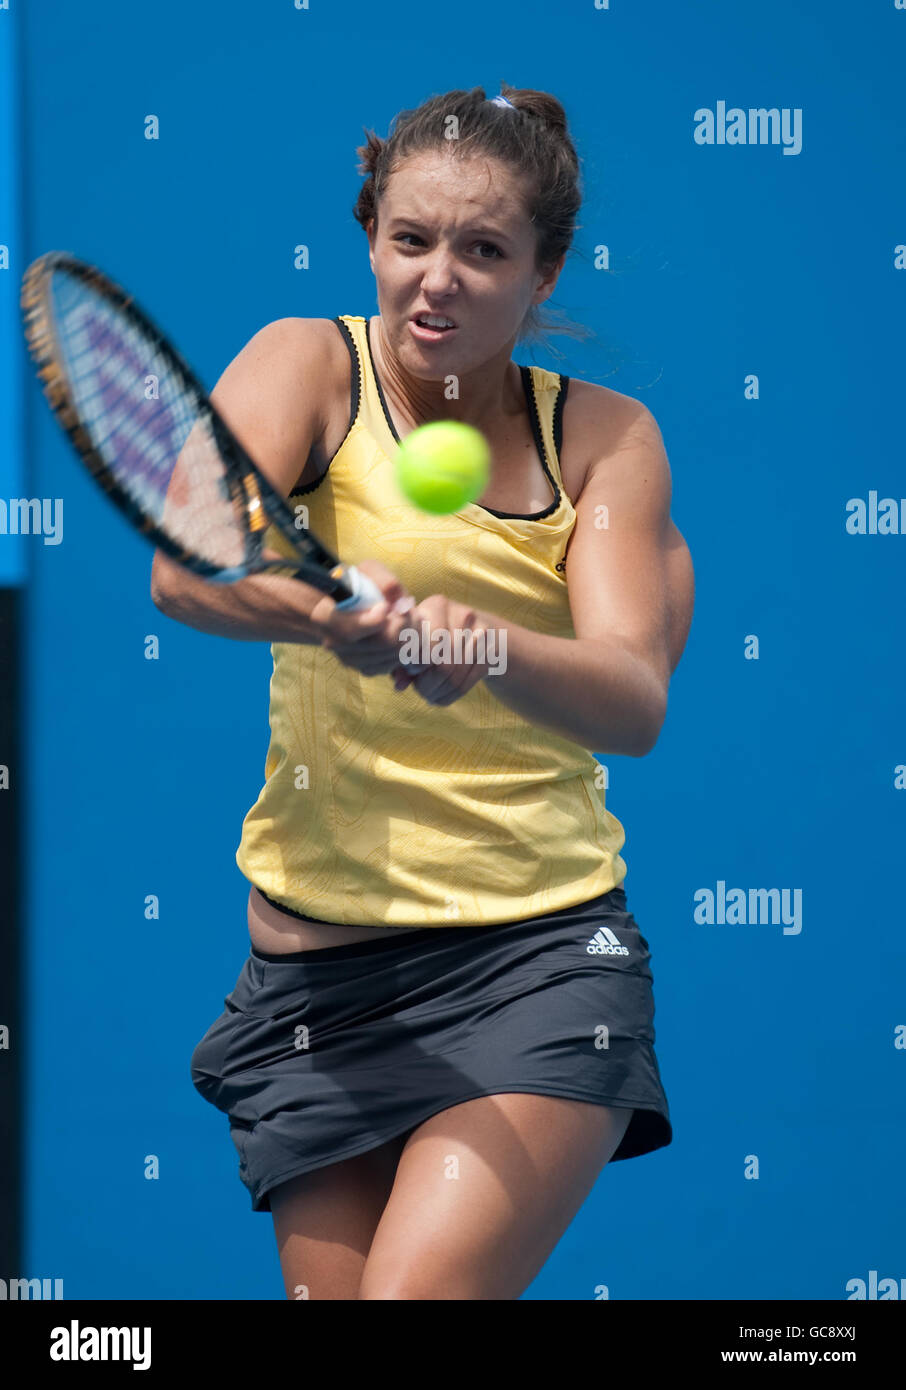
x: 498, y: 254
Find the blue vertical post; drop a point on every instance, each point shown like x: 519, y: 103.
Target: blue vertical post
x: 12, y: 576
x: 12, y: 549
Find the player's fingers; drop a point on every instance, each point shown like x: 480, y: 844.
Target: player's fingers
x: 381, y: 643
x: 340, y: 625
x: 379, y: 650
x: 450, y: 683
x: 386, y: 619
x: 393, y: 589
x: 433, y: 683
x: 376, y: 664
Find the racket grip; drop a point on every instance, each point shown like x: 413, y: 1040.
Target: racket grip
x: 365, y: 593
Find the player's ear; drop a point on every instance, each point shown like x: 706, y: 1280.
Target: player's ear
x: 547, y: 284
x: 369, y: 232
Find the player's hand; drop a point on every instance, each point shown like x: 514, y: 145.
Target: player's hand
x: 366, y: 640
x: 444, y: 683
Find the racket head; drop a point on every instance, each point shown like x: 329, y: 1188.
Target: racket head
x: 135, y: 413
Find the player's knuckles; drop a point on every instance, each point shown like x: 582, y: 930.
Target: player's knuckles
x: 379, y: 572
x: 442, y: 685
x: 351, y: 629
x: 428, y: 682
x: 433, y: 609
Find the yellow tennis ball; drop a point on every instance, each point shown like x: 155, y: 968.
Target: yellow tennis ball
x: 443, y: 465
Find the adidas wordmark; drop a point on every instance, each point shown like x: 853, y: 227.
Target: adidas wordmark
x: 605, y: 943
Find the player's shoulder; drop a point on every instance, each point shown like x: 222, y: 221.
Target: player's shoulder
x: 603, y: 407
x: 607, y: 424
x: 282, y: 356
x: 301, y: 353
x: 312, y: 336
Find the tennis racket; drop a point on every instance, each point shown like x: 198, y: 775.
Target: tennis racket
x: 142, y: 424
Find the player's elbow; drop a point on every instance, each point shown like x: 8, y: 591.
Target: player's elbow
x: 164, y: 583
x: 649, y: 732
x: 642, y: 749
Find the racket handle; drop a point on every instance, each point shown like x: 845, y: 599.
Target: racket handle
x: 364, y: 593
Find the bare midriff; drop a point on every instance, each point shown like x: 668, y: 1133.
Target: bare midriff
x: 278, y: 933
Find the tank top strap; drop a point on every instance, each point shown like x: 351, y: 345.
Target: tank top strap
x: 545, y: 393
x: 367, y: 406
x: 548, y: 390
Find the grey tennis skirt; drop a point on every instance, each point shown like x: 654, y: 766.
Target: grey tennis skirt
x: 323, y: 1054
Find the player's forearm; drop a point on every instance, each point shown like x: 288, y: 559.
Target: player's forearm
x: 598, y: 695
x: 261, y: 608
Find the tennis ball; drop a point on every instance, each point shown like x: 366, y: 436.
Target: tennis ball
x: 443, y: 465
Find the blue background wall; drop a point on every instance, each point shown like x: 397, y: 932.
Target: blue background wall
x: 12, y: 460
x: 779, y: 772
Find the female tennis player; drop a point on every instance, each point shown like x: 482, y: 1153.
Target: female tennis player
x: 444, y: 1029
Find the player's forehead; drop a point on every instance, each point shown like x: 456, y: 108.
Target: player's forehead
x: 458, y: 189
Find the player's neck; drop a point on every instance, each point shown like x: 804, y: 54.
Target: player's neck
x: 484, y: 395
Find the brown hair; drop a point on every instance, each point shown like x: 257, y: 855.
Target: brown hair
x: 533, y: 141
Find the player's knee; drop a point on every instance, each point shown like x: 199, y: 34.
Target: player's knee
x: 417, y: 1286
x: 399, y: 1291
x: 390, y: 1286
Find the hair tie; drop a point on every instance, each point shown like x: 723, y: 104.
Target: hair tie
x: 501, y: 101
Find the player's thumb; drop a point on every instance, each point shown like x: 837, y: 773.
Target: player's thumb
x: 334, y: 622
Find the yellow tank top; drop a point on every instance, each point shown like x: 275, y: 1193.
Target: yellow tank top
x: 379, y: 809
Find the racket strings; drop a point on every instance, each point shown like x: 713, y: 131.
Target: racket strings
x: 146, y: 424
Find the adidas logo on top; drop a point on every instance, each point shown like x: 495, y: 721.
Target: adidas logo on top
x: 605, y: 943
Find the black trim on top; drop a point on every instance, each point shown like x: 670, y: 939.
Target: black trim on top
x: 559, y: 403
x: 281, y: 907
x: 377, y: 381
x: 528, y: 386
x: 355, y: 395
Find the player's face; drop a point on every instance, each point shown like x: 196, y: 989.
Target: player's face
x: 454, y: 237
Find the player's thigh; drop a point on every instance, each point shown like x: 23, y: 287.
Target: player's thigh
x: 483, y: 1193
x: 324, y: 1222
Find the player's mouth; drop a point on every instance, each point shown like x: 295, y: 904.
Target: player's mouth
x: 431, y: 328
